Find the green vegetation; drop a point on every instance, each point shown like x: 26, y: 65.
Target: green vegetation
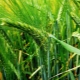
x: 39, y: 40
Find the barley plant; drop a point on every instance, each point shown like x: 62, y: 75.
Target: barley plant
x: 39, y: 39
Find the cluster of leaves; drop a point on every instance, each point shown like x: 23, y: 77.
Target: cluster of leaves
x: 35, y: 37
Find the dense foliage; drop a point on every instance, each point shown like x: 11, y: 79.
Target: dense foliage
x: 39, y: 40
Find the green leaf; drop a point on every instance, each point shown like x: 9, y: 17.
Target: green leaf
x: 66, y: 46
x: 72, y: 76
